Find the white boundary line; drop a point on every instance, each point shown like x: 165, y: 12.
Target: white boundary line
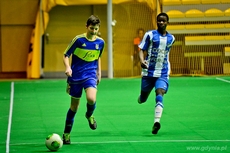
x: 149, y: 141
x: 223, y: 80
x: 131, y: 141
x: 10, y: 118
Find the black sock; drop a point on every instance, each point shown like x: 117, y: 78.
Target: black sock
x: 69, y: 121
x: 90, y: 109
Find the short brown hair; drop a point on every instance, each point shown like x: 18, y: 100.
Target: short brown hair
x: 93, y: 20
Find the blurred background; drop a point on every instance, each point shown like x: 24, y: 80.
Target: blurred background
x: 35, y: 33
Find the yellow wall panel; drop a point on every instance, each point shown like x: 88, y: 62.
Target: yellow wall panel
x: 171, y: 2
x: 214, y: 26
x: 225, y: 1
x: 213, y: 12
x: 17, y: 19
x: 15, y: 47
x: 175, y: 27
x: 195, y: 26
x: 214, y: 37
x: 210, y: 1
x: 191, y: 2
x: 194, y: 13
x: 227, y: 12
x: 18, y: 11
x: 175, y: 14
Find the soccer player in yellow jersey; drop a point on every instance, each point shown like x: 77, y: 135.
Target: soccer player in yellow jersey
x: 83, y: 73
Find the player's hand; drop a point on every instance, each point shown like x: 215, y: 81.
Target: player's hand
x: 68, y: 72
x: 98, y: 78
x: 98, y: 81
x: 144, y: 64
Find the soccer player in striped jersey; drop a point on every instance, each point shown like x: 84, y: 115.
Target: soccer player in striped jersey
x: 83, y: 73
x: 156, y: 66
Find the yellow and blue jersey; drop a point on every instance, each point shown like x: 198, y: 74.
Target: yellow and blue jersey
x: 85, y: 54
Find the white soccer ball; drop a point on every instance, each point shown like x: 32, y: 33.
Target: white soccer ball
x: 53, y: 142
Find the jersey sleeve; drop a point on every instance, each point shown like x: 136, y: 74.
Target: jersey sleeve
x: 102, y: 47
x: 145, y: 42
x: 71, y: 47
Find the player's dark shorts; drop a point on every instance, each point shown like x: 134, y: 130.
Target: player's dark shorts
x: 148, y: 83
x: 75, y: 89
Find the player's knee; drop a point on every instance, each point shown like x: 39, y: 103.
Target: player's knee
x: 91, y: 100
x: 160, y: 91
x: 74, y: 108
x: 144, y: 96
x: 91, y: 95
x: 74, y: 103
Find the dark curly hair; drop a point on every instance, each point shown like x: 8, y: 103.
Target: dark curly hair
x: 163, y: 14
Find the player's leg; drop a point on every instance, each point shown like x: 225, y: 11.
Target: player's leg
x: 91, y: 93
x: 91, y: 100
x: 161, y: 88
x: 75, y: 92
x: 147, y: 85
x: 71, y: 114
x: 143, y: 96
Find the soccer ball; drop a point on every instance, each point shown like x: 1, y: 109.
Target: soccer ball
x: 53, y: 142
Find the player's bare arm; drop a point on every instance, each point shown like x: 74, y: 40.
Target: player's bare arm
x: 68, y: 70
x: 144, y: 63
x: 99, y: 71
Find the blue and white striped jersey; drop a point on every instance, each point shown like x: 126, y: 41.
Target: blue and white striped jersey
x: 157, y: 47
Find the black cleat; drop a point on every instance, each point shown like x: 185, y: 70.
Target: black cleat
x: 156, y: 127
x: 66, y: 138
x: 139, y: 101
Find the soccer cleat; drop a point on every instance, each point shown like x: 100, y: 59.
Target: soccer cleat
x: 139, y: 101
x: 156, y: 127
x: 66, y: 138
x: 92, y: 122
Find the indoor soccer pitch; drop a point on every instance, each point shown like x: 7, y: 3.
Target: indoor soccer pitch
x: 196, y: 117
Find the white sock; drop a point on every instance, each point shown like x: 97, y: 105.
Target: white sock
x: 158, y: 113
